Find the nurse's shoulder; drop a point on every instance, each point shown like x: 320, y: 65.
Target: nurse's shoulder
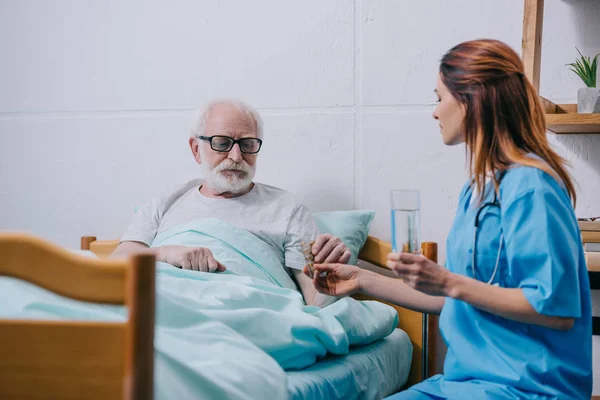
x: 521, y: 180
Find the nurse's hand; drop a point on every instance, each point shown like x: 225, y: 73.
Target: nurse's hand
x: 420, y: 273
x: 335, y: 279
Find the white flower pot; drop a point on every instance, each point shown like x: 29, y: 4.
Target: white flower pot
x: 588, y: 100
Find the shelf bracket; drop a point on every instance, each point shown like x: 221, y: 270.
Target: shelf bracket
x: 531, y: 52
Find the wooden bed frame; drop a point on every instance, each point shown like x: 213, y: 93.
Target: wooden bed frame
x: 47, y: 359
x: 62, y: 359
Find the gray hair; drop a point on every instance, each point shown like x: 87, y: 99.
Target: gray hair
x: 203, y: 115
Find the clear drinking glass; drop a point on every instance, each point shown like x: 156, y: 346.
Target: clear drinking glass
x: 406, y: 226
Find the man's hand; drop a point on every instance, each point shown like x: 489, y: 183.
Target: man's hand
x: 193, y: 258
x: 330, y: 249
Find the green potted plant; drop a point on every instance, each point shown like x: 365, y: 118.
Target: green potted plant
x: 588, y: 98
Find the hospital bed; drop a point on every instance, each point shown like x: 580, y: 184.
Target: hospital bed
x: 115, y: 359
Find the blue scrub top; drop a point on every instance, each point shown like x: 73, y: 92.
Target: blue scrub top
x: 493, y: 357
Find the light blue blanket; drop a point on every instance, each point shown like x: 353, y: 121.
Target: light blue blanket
x: 225, y: 335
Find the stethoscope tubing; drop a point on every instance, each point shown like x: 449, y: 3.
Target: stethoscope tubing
x: 494, y: 203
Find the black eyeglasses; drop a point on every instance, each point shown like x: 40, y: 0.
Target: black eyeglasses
x: 225, y: 143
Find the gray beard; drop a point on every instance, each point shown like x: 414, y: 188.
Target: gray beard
x: 221, y: 183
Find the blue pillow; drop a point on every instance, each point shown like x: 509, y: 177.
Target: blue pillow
x: 350, y: 226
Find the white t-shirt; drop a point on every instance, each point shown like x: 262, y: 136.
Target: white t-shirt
x: 272, y: 214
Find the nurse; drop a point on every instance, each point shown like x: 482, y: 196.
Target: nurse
x: 513, y: 299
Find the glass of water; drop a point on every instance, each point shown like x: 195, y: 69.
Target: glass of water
x: 405, y: 221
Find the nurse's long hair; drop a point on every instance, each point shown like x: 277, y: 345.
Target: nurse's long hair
x: 504, y: 118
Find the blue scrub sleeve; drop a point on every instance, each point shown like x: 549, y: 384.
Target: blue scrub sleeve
x: 543, y: 250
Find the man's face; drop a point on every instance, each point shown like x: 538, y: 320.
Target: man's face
x: 230, y: 171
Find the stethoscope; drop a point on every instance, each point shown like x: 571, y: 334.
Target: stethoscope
x: 494, y: 203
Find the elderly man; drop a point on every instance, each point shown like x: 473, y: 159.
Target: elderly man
x: 225, y: 143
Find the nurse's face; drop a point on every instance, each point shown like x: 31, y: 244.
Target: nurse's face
x: 450, y: 113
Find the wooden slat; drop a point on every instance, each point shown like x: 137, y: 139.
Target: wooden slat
x: 435, y: 358
x: 139, y: 360
x: 592, y: 260
x: 573, y: 123
x: 86, y: 241
x: 60, y: 271
x: 375, y: 251
x: 593, y: 226
x: 61, y: 360
x: 590, y: 236
x: 532, y: 40
x: 549, y: 107
x: 566, y: 108
x: 437, y: 347
x: 103, y: 248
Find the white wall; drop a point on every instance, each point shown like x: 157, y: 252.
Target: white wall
x: 97, y: 98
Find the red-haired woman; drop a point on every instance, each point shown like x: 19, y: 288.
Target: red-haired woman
x: 514, y: 298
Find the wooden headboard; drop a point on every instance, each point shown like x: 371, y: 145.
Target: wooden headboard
x: 421, y: 329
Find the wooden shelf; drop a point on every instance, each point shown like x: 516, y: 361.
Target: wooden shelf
x: 561, y: 118
x: 593, y: 268
x: 564, y: 119
x: 573, y: 123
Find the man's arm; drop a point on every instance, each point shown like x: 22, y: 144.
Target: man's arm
x: 311, y: 296
x: 194, y: 258
x: 125, y: 249
x: 302, y: 229
x: 327, y: 248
